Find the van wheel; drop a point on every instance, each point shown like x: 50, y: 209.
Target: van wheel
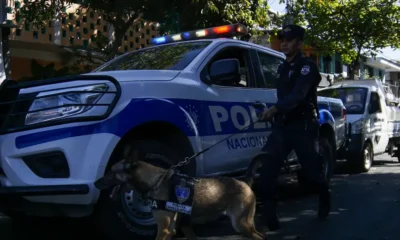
x: 328, y: 166
x: 363, y: 162
x: 128, y: 217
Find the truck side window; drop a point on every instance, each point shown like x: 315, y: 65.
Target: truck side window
x: 240, y: 54
x: 374, y: 103
x: 269, y: 68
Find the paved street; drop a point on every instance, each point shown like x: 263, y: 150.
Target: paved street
x: 365, y: 206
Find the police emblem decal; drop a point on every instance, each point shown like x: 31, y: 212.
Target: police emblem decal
x: 182, y: 193
x: 305, y: 70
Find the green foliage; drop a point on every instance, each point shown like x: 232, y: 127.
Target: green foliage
x: 174, y: 15
x: 350, y: 27
x: 40, y: 72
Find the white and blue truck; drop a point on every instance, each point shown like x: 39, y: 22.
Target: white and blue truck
x: 373, y: 121
x: 170, y: 101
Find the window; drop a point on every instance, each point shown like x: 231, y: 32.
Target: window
x: 35, y: 34
x: 153, y: 28
x: 71, y: 28
x: 85, y: 31
x: 126, y: 48
x: 64, y: 33
x: 131, y: 33
x: 147, y: 41
x: 71, y: 40
x: 71, y: 16
x: 142, y: 24
x: 142, y: 35
x: 241, y: 54
x: 147, y: 31
x: 137, y: 28
x: 269, y: 67
x: 50, y: 37
x: 78, y: 23
x: 92, y: 26
x: 353, y: 98
x: 91, y: 14
x: 78, y: 35
x: 105, y: 28
x: 18, y: 32
x: 99, y: 21
x: 131, y: 44
x: 84, y: 19
x: 43, y: 30
x: 374, y: 104
x: 27, y: 27
x: 126, y: 38
x: 85, y: 43
x: 93, y: 38
x: 63, y: 20
x: 137, y: 40
x: 50, y: 24
x: 169, y: 57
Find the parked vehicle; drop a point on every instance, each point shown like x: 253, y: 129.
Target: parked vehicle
x: 372, y: 118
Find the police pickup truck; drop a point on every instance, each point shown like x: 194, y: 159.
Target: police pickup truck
x: 169, y: 101
x: 373, y: 121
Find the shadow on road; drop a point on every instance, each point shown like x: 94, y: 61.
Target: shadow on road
x: 361, y: 204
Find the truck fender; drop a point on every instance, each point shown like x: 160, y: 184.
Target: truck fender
x: 146, y: 110
x: 326, y: 117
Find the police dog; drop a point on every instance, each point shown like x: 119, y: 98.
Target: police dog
x: 212, y: 198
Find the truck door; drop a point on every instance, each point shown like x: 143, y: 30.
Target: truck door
x: 378, y: 122
x: 230, y: 108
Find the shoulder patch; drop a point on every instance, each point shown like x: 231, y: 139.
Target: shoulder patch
x: 305, y: 69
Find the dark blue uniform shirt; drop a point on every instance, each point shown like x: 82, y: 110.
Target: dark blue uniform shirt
x: 297, y: 91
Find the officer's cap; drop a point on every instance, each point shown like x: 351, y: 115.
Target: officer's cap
x: 291, y: 31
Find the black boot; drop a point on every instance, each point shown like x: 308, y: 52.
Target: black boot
x: 271, y: 216
x: 324, y: 203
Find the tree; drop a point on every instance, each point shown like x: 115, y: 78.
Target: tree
x: 174, y: 15
x: 350, y: 27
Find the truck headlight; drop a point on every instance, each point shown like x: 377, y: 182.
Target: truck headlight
x: 357, y: 126
x: 64, y: 103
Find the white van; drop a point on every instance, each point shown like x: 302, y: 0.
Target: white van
x: 373, y: 120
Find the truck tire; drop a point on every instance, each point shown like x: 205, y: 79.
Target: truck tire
x: 328, y: 157
x: 362, y: 162
x: 125, y: 218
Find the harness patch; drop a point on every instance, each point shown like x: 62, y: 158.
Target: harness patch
x: 181, y: 194
x: 305, y: 69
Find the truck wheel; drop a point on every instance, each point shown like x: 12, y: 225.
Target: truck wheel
x: 363, y: 162
x: 128, y: 217
x: 326, y: 149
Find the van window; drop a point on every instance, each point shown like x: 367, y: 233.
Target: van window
x: 374, y: 103
x: 353, y: 98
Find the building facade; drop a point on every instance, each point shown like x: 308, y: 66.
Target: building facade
x: 74, y: 27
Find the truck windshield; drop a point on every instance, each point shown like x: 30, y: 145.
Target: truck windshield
x: 352, y: 98
x: 167, y: 57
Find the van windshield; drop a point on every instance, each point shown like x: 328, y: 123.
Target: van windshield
x: 353, y: 98
x: 165, y: 57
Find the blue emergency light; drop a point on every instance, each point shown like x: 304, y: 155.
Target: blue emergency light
x: 227, y: 31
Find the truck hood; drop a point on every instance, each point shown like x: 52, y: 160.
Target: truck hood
x: 139, y: 75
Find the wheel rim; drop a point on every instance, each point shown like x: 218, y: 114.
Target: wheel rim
x: 137, y: 210
x: 367, y: 158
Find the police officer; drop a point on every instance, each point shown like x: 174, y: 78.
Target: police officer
x: 296, y: 125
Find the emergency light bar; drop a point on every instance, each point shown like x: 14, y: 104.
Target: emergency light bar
x: 227, y: 31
